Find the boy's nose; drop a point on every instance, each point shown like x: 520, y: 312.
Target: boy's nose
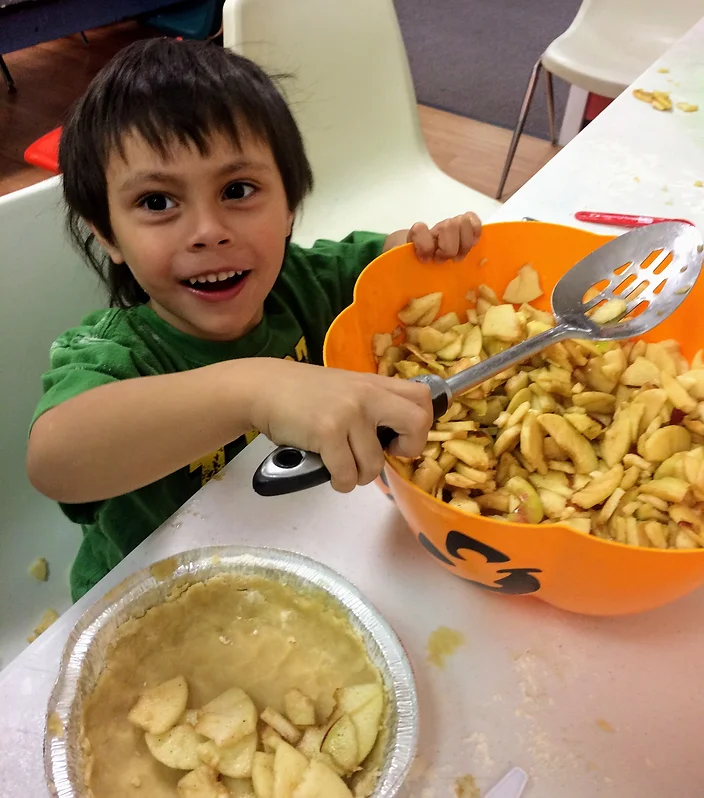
x: 209, y: 231
x: 203, y: 244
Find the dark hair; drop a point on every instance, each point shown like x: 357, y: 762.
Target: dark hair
x: 168, y: 92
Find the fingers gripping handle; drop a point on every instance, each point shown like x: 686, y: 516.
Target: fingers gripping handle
x: 288, y: 470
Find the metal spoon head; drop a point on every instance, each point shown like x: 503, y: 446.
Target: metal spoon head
x: 651, y: 268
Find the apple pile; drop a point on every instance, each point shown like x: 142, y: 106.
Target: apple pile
x: 232, y: 751
x: 605, y: 437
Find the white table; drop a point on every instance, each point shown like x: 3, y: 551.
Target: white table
x: 531, y: 686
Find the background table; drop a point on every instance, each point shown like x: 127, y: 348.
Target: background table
x: 591, y: 708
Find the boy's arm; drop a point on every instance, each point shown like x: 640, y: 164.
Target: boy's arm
x: 121, y: 436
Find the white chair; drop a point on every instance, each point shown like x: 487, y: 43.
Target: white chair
x: 351, y: 94
x: 607, y: 46
x: 46, y: 289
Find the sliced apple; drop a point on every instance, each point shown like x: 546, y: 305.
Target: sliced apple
x: 320, y: 782
x: 201, y: 783
x: 367, y: 721
x: 299, y: 708
x: 270, y: 739
x: 446, y: 322
x: 350, y: 699
x: 525, y: 286
x: 421, y: 310
x: 502, y: 322
x: 309, y: 745
x: 340, y: 743
x: 580, y: 451
x: 190, y: 716
x: 158, y: 709
x: 228, y: 702
x: 289, y: 767
x: 232, y: 760
x: 263, y: 775
x: 239, y: 788
x: 530, y: 508
x: 228, y: 718
x: 176, y: 748
x: 281, y: 725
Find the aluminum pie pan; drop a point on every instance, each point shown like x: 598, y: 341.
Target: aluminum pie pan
x: 83, y: 658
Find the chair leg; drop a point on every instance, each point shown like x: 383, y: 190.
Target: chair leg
x: 520, y: 124
x: 7, y: 75
x: 550, y: 94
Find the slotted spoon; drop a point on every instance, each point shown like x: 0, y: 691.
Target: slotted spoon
x: 651, y: 269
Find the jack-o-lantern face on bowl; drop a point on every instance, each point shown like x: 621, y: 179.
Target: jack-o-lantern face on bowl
x: 552, y: 562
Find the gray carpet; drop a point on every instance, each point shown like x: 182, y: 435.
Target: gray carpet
x: 473, y: 57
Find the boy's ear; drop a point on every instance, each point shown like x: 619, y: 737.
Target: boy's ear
x: 113, y: 251
x: 291, y: 219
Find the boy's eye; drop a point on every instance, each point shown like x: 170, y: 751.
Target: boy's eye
x: 156, y: 202
x: 237, y: 190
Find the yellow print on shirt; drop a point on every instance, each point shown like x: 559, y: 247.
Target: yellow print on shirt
x: 213, y: 463
x: 209, y: 465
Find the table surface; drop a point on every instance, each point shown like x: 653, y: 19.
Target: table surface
x: 590, y: 707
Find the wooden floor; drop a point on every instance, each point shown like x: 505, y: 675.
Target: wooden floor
x: 51, y: 76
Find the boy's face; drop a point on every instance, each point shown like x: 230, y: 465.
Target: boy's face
x: 204, y: 235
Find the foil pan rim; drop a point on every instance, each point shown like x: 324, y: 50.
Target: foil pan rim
x: 383, y: 646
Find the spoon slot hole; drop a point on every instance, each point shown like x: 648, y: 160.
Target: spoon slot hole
x: 654, y: 255
x: 622, y: 269
x: 621, y: 287
x: 637, y: 310
x: 638, y: 290
x: 594, y: 291
x: 660, y: 287
x: 664, y: 263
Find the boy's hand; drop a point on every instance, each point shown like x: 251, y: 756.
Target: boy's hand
x: 336, y: 413
x: 452, y: 238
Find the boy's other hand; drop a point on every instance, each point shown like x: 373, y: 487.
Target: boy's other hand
x: 449, y: 239
x: 337, y: 413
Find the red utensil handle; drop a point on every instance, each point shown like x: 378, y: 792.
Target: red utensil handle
x: 622, y: 219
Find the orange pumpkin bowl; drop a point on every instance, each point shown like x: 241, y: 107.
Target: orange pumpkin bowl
x: 552, y: 562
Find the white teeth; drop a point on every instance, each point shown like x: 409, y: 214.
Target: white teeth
x: 213, y: 277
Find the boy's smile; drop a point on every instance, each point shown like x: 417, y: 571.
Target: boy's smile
x: 203, y: 234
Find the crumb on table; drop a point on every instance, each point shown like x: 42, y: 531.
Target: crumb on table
x: 466, y: 787
x: 49, y: 617
x: 442, y: 643
x: 39, y: 569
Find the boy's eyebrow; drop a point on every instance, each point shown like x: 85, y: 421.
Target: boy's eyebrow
x: 166, y: 177
x: 241, y: 166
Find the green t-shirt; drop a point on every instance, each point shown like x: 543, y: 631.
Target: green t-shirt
x: 314, y: 286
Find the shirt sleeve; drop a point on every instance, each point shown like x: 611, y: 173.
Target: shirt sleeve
x: 81, y: 360
x: 338, y: 264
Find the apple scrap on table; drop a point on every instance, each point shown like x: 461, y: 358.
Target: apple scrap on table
x: 221, y: 743
x: 661, y: 101
x: 606, y: 437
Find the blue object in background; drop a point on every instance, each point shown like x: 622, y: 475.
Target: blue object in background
x: 197, y: 19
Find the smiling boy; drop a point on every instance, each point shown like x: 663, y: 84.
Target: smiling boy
x: 183, y: 170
